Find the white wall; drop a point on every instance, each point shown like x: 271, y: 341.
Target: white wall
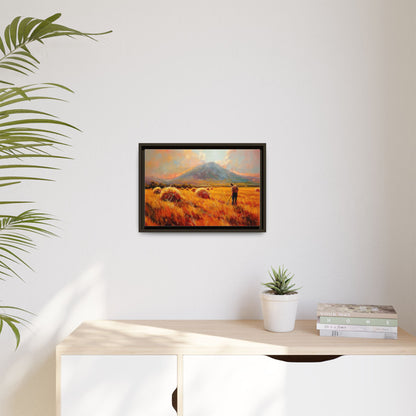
x: 329, y: 85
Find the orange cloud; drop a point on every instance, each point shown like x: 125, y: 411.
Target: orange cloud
x: 169, y: 163
x: 243, y: 161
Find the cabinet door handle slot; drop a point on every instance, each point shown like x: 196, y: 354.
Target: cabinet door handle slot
x: 175, y: 400
x: 304, y: 358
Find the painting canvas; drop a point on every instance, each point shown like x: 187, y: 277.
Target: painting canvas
x: 202, y: 187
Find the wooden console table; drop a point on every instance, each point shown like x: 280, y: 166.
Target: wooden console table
x: 193, y: 366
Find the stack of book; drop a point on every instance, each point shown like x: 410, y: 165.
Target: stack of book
x: 357, y: 321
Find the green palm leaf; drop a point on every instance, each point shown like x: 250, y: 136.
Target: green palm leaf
x: 12, y: 320
x: 16, y: 236
x: 26, y: 133
x: 21, y: 32
x: 20, y: 137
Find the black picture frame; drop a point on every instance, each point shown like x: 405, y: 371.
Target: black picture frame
x: 203, y: 146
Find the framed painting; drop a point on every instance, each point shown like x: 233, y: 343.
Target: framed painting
x: 202, y: 187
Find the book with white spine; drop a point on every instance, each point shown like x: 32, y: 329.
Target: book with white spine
x: 357, y: 334
x: 335, y: 327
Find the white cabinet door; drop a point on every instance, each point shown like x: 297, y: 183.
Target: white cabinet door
x: 262, y: 386
x: 133, y: 385
x: 353, y: 385
x: 233, y: 386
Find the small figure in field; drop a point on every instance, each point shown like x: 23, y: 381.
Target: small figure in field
x: 234, y: 194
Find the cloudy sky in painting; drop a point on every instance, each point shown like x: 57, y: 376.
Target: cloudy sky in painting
x: 169, y: 163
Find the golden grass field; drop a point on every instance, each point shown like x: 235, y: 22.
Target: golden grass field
x: 195, y: 211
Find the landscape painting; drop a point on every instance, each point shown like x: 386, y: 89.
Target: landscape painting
x: 207, y: 187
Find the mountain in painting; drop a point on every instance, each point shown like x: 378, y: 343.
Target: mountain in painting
x: 213, y: 174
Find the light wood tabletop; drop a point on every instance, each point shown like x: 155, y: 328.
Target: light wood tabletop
x: 220, y: 337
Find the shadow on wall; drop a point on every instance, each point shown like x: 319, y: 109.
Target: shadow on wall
x: 28, y: 387
x: 250, y: 302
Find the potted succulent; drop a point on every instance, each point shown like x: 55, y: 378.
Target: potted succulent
x: 280, y: 301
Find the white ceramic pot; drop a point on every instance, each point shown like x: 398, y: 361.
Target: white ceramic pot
x: 279, y: 311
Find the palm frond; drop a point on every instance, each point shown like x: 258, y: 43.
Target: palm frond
x: 22, y: 137
x: 26, y: 133
x: 12, y: 320
x: 16, y: 236
x: 22, y: 31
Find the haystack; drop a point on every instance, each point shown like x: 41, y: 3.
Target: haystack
x: 170, y: 194
x: 202, y: 193
x: 157, y: 190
